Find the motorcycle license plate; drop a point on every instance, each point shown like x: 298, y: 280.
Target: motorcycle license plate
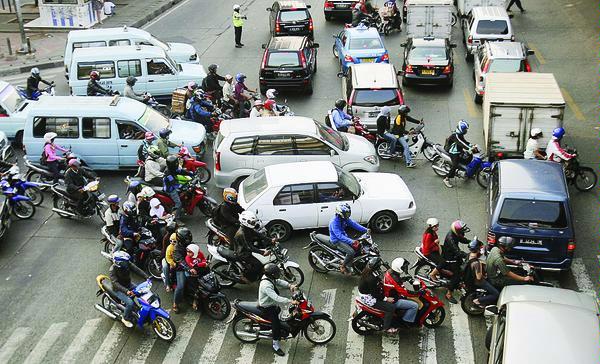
x: 427, y: 72
x: 367, y: 60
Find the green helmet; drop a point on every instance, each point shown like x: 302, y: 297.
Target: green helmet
x: 153, y: 152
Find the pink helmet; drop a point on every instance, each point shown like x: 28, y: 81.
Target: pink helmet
x: 184, y: 151
x: 149, y: 136
x: 192, y: 85
x: 74, y: 162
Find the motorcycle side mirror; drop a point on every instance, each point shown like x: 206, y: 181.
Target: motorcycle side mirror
x: 263, y: 46
x: 491, y: 311
x: 402, y: 45
x: 341, y: 75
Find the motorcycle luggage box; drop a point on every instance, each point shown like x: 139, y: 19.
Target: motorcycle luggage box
x: 178, y: 101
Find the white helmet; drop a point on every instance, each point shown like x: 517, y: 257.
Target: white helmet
x: 154, y: 203
x: 400, y: 265
x: 228, y: 77
x: 357, y: 6
x: 35, y: 71
x: 49, y: 136
x: 271, y: 93
x: 194, y: 249
x: 146, y: 192
x: 535, y: 132
x: 249, y: 220
x: 432, y: 221
x: 236, y: 7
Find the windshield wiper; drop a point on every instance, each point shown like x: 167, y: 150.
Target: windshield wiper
x: 287, y: 65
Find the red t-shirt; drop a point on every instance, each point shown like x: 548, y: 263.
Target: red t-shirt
x: 198, y: 262
x: 428, y: 245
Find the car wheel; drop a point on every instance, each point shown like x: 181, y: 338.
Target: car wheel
x: 469, y: 57
x: 309, y: 88
x: 315, y: 69
x: 384, y: 222
x: 263, y: 90
x: 478, y: 99
x: 279, y: 230
x: 327, y: 17
x: 18, y: 143
x: 404, y: 82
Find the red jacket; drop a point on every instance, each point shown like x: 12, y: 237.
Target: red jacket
x: 198, y: 262
x: 428, y: 244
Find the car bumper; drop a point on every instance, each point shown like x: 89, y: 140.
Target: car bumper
x: 223, y: 180
x: 406, y: 214
x: 285, y: 83
x: 444, y: 79
x: 305, y: 32
x: 562, y: 265
x: 339, y: 12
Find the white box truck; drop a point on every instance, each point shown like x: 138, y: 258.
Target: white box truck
x: 465, y: 6
x: 429, y: 18
x: 513, y: 104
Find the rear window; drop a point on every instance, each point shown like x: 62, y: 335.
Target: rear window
x: 365, y: 43
x: 278, y: 59
x: 548, y: 214
x: 254, y: 185
x: 492, y: 27
x: 375, y: 97
x: 505, y: 65
x: 293, y: 15
x: 434, y: 53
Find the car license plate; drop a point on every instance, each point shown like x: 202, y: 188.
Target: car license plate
x: 284, y: 74
x: 295, y: 29
x: 428, y: 72
x: 367, y: 60
x: 342, y: 6
x: 531, y: 242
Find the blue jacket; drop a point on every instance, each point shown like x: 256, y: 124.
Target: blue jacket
x: 197, y: 111
x: 337, y: 230
x: 128, y: 226
x: 340, y: 118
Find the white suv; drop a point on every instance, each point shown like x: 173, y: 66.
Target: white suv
x: 485, y: 24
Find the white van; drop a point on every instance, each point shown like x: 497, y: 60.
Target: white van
x: 244, y: 146
x: 485, y: 24
x: 155, y: 71
x: 124, y: 36
x: 13, y: 111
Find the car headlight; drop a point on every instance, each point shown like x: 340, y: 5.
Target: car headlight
x: 371, y: 159
x: 194, y: 57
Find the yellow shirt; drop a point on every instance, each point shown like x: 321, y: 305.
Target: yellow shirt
x: 237, y: 19
x: 169, y: 255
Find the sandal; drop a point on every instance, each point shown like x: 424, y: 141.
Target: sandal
x: 175, y: 308
x: 195, y: 306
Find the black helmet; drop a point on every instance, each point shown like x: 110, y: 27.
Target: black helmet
x: 272, y: 271
x: 374, y: 263
x: 212, y: 68
x: 506, y: 242
x: 475, y: 245
x: 171, y: 226
x: 172, y: 162
x: 184, y: 235
x: 340, y: 104
x: 403, y: 110
x: 131, y: 80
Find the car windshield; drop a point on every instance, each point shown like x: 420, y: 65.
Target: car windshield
x: 333, y: 137
x: 435, y: 53
x: 10, y: 98
x: 293, y: 15
x: 492, y: 27
x: 348, y: 180
x: 153, y: 120
x: 505, y: 65
x: 278, y: 59
x: 365, y: 43
x: 550, y: 214
x: 375, y: 97
x: 254, y: 185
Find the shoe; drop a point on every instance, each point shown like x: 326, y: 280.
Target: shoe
x: 242, y: 44
x: 175, y: 308
x: 278, y: 352
x: 451, y: 299
x: 127, y: 323
x: 448, y: 183
x: 522, y: 10
x: 410, y: 165
x: 238, y: 46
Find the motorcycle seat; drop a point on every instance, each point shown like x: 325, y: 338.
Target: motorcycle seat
x: 250, y: 306
x: 322, y: 238
x: 107, y: 286
x: 227, y: 253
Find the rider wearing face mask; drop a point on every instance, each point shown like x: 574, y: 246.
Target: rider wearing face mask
x: 120, y: 278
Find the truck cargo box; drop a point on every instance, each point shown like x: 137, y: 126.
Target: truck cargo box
x: 465, y: 6
x: 426, y: 18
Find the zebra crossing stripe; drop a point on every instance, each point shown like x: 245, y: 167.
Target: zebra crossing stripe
x: 12, y: 344
x: 184, y: 334
x: 427, y: 345
x: 355, y: 343
x: 107, y: 348
x: 214, y: 343
x: 463, y: 347
x: 319, y: 352
x: 80, y: 342
x: 390, y: 349
x: 143, y: 351
x: 246, y: 354
x: 38, y: 353
x: 584, y: 283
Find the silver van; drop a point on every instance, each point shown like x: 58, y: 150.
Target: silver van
x: 484, y: 24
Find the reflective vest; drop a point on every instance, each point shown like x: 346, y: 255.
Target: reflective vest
x: 237, y: 19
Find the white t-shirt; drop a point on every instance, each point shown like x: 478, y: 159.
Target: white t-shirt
x: 255, y: 113
x: 108, y: 7
x: 532, y: 146
x: 110, y: 217
x: 159, y: 211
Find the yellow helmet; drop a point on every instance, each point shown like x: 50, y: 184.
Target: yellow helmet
x: 173, y: 237
x: 230, y: 194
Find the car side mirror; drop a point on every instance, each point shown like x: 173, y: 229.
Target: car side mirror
x: 263, y: 46
x: 452, y: 45
x: 530, y: 52
x: 341, y: 75
x: 308, y: 6
x: 315, y: 45
x: 269, y: 9
x: 400, y: 73
x: 491, y: 311
x: 402, y: 45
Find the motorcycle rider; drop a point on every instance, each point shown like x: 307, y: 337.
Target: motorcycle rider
x: 241, y: 93
x: 171, y: 184
x: 33, y: 83
x: 50, y: 157
x: 228, y: 90
x: 184, y: 238
x: 532, y: 150
x: 168, y: 263
x: 400, y: 267
x: 129, y: 227
x: 475, y: 275
x: 457, y: 144
x: 453, y: 255
x: 257, y: 109
x: 227, y: 214
x: 189, y: 94
x: 201, y: 110
x: 269, y: 108
x: 154, y: 167
x: 149, y: 137
x: 357, y: 15
x: 120, y: 279
x: 341, y: 120
x: 111, y: 215
x: 496, y: 267
x: 430, y: 246
x: 269, y: 301
x: 338, y: 235
x: 371, y: 288
x: 383, y: 127
x: 243, y: 245
x: 554, y: 151
x: 390, y: 10
x: 75, y: 180
x: 143, y: 204
x: 130, y: 92
x: 271, y: 94
x: 399, y: 129
x: 94, y: 88
x: 164, y: 143
x: 211, y: 84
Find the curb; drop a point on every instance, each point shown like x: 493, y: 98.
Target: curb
x: 9, y: 71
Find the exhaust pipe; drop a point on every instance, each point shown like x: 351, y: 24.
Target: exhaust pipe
x: 442, y: 170
x: 106, y: 255
x: 319, y: 259
x: 64, y: 212
x: 105, y: 311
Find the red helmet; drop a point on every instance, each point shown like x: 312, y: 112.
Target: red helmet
x: 95, y: 75
x: 269, y: 104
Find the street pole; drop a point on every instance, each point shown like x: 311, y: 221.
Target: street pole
x: 23, y: 49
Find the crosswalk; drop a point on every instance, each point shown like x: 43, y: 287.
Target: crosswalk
x: 202, y: 340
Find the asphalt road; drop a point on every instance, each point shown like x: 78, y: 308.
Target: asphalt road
x: 48, y: 264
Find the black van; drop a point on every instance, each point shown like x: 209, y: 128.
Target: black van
x: 529, y: 201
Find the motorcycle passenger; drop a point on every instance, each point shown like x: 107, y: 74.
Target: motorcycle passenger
x: 257, y: 109
x: 94, y: 88
x: 197, y: 267
x: 228, y: 90
x: 164, y: 143
x: 201, y: 110
x: 227, y: 214
x: 271, y: 94
x: 143, y: 204
x: 33, y: 83
x: 130, y: 92
x: 184, y: 238
x: 532, y: 150
x: 390, y: 10
x: 157, y: 214
x: 475, y: 276
x: 357, y: 15
x: 243, y: 245
x: 120, y: 279
x: 269, y: 108
x: 453, y: 255
x: 189, y: 94
x: 154, y: 166
x: 149, y: 137
x: 496, y: 267
x: 75, y: 180
x: 269, y: 301
x: 400, y: 267
x: 457, y: 144
x: 241, y: 93
x: 129, y: 227
x: 168, y: 263
x: 338, y: 235
x: 399, y: 129
x: 341, y: 120
x: 383, y: 129
x: 111, y: 215
x: 371, y: 288
x: 430, y: 246
x: 554, y: 151
x: 171, y: 185
x: 211, y: 84
x: 50, y: 157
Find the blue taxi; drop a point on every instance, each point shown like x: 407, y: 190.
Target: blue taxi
x: 359, y: 45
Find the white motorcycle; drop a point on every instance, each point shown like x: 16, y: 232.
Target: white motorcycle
x: 417, y: 143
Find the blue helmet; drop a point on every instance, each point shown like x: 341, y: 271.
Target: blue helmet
x: 462, y: 127
x: 475, y: 245
x: 121, y: 259
x: 343, y: 210
x: 558, y: 133
x: 164, y: 132
x: 240, y: 77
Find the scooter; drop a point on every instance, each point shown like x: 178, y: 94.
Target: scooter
x: 249, y: 324
x: 47, y: 91
x: 423, y: 266
x: 215, y: 235
x: 147, y: 308
x: 24, y: 187
x: 207, y: 291
x: 417, y: 144
x: 471, y: 165
x: 41, y: 174
x: 193, y: 165
x: 389, y: 22
x: 66, y: 207
x: 21, y: 206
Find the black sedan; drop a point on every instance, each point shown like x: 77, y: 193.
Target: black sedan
x: 428, y: 61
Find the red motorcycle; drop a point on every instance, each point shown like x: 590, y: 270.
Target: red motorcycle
x: 189, y: 163
x: 359, y: 128
x: 431, y: 313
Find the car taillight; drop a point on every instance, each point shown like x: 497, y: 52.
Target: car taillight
x: 447, y: 69
x: 264, y: 60
x: 303, y: 59
x: 409, y: 69
x: 350, y: 101
x: 218, y: 161
x: 328, y: 4
x: 400, y: 98
x: 491, y: 238
x: 470, y: 40
x: 571, y: 246
x: 310, y: 24
x: 527, y: 66
x: 348, y: 58
x: 486, y: 67
x: 385, y: 57
x: 277, y: 27
x: 500, y: 155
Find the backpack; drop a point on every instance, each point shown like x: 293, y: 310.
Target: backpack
x: 468, y: 275
x: 44, y: 157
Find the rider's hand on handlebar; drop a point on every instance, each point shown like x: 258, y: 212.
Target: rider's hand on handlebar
x: 388, y: 299
x: 130, y: 294
x: 528, y: 279
x: 295, y: 303
x: 293, y: 287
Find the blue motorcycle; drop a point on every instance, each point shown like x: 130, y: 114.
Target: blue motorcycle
x: 472, y: 165
x: 25, y: 188
x: 147, y: 308
x: 36, y: 94
x: 21, y: 205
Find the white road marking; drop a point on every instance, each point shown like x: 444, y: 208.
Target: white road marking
x: 12, y: 344
x: 285, y: 346
x: 38, y: 353
x: 427, y: 345
x: 156, y: 20
x: 107, y: 348
x: 463, y: 347
x: 184, y: 334
x: 214, y: 343
x: 144, y: 348
x: 582, y: 278
x: 319, y: 352
x: 355, y: 343
x: 390, y: 349
x: 246, y: 354
x: 80, y: 341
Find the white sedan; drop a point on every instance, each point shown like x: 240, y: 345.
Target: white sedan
x: 304, y: 195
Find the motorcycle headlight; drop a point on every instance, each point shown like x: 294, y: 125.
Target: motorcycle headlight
x: 371, y: 159
x: 197, y: 149
x: 155, y: 303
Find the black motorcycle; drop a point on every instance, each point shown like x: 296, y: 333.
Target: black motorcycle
x: 583, y: 178
x: 65, y: 206
x: 206, y: 290
x: 40, y: 173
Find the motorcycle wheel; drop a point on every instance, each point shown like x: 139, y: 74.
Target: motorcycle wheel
x: 483, y: 177
x: 435, y: 318
x: 218, y: 308
x: 585, y: 179
x: 38, y: 178
x: 222, y: 269
x: 207, y: 207
x: 320, y: 331
x: 61, y: 203
x: 154, y: 265
x: 467, y: 305
x: 293, y: 275
x: 381, y: 148
x: 359, y: 327
x: 429, y: 152
x: 108, y: 246
x: 243, y: 328
x: 321, y: 253
x: 441, y: 163
x: 164, y: 328
x: 203, y: 174
x: 23, y: 209
x: 109, y: 304
x: 423, y: 270
x: 387, y: 28
x: 35, y: 194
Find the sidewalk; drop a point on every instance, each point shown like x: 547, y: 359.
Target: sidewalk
x: 50, y: 45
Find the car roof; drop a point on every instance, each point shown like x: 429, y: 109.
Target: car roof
x: 87, y: 106
x: 3, y: 85
x: 268, y: 125
x: 292, y: 5
x: 533, y: 177
x: 117, y: 52
x: 291, y: 43
x: 490, y: 12
x: 512, y: 50
x: 361, y: 31
x: 75, y: 35
x: 374, y: 75
x: 312, y: 172
x: 424, y: 42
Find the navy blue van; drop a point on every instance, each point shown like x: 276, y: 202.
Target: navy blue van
x: 529, y: 201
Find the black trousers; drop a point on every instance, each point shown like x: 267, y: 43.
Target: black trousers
x: 272, y: 314
x: 455, y: 160
x: 238, y: 35
x: 54, y: 167
x: 517, y: 3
